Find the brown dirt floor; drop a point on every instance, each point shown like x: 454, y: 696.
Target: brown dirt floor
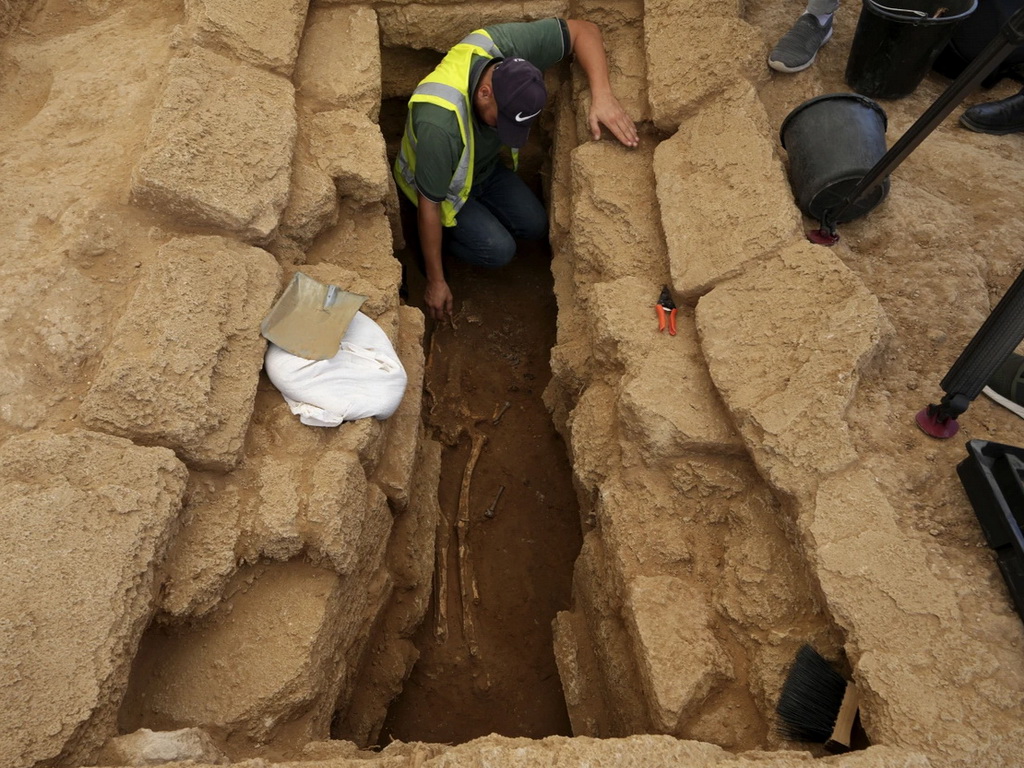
x: 495, y: 353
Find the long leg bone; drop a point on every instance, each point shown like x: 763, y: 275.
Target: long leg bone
x: 467, y: 578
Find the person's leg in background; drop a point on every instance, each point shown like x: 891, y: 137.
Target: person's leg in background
x: 797, y: 49
x: 500, y: 209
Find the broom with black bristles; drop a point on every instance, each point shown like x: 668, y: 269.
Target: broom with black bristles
x: 817, y: 704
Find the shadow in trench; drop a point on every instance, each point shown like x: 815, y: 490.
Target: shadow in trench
x: 484, y: 380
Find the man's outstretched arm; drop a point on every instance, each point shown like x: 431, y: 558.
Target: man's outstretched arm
x: 437, y: 296
x: 588, y: 46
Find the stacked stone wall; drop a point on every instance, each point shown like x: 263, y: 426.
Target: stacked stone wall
x: 229, y: 578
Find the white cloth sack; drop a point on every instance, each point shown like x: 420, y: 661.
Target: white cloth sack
x: 365, y: 378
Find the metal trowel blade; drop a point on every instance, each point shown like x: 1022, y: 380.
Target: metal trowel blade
x: 310, y: 318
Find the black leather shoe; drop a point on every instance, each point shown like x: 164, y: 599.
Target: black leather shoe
x: 998, y: 117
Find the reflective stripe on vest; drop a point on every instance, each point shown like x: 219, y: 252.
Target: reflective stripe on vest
x: 452, y: 94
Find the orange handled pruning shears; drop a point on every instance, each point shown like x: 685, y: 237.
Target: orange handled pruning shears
x: 666, y: 311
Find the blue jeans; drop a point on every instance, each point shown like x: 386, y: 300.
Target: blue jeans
x: 500, y: 209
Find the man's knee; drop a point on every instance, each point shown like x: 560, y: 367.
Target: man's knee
x: 536, y: 229
x: 495, y: 251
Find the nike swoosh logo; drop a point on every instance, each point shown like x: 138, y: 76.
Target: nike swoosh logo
x: 521, y: 119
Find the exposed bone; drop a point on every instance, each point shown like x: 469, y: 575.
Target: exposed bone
x: 489, y: 512
x: 499, y: 412
x: 441, y: 578
x: 467, y: 578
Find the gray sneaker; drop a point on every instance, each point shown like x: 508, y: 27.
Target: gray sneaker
x: 798, y: 47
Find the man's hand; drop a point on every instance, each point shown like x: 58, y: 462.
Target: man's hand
x: 605, y: 110
x: 438, y: 298
x: 588, y: 47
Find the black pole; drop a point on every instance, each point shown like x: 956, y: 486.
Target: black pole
x: 1010, y: 36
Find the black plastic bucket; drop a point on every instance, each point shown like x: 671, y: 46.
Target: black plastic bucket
x: 832, y: 142
x: 896, y: 43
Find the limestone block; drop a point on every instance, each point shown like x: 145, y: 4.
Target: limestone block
x: 203, y: 557
x: 261, y: 32
x: 632, y: 752
x: 349, y: 148
x: 220, y: 146
x: 267, y: 665
x: 358, y: 253
x: 613, y: 694
x: 313, y: 201
x: 622, y: 27
x: 419, y: 25
x: 349, y: 518
x: 671, y: 406
x: 785, y: 344
x: 339, y: 63
x: 49, y: 306
x: 182, y: 368
x: 394, y: 473
x: 725, y: 202
x: 87, y: 519
x: 323, y: 507
x: 668, y: 403
x: 560, y: 197
x: 647, y: 522
x: 882, y: 586
x: 391, y: 654
x: 594, y: 440
x: 403, y: 68
x: 615, y: 229
x: 681, y: 662
x: 146, y: 747
x: 683, y: 78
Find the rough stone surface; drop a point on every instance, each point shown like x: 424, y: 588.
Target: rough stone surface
x: 668, y: 403
x: 714, y: 173
x: 186, y: 377
x: 220, y: 146
x: 357, y: 254
x: 821, y: 326
x: 595, y: 654
x: 349, y: 148
x: 836, y: 529
x: 881, y: 587
x: 419, y: 25
x: 10, y: 13
x: 72, y: 622
x: 394, y: 473
x: 681, y: 661
x: 683, y: 78
x: 614, y: 230
x: 410, y: 559
x: 273, y: 653
x: 261, y: 32
x: 146, y: 747
x: 313, y: 200
x: 203, y: 556
x: 339, y: 63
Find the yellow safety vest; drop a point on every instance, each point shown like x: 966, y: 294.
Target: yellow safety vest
x: 448, y: 87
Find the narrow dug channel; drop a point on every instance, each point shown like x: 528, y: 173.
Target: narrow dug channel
x: 488, y: 666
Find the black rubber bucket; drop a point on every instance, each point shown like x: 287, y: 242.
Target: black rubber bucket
x: 832, y: 142
x: 896, y: 43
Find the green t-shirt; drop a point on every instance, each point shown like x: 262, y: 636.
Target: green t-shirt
x: 439, y: 145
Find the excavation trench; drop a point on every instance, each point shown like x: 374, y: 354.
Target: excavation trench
x: 510, y: 530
